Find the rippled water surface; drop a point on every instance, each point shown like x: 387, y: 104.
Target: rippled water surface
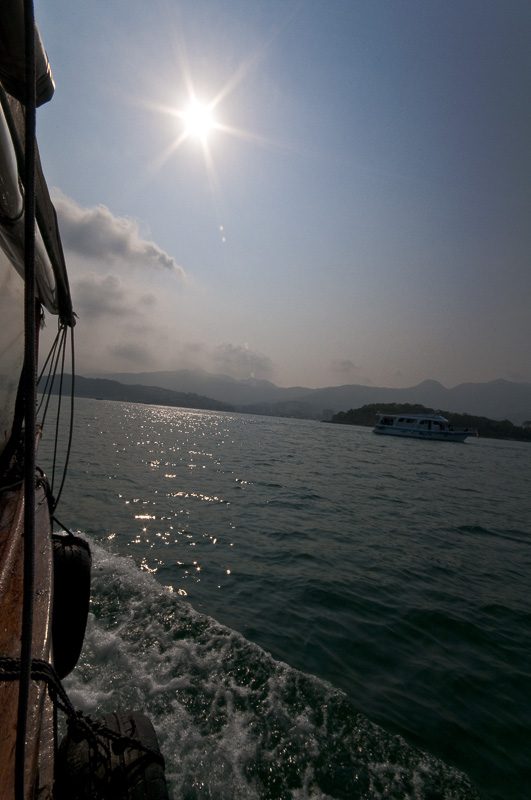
x: 337, y: 601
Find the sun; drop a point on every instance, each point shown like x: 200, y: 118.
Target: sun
x: 198, y: 121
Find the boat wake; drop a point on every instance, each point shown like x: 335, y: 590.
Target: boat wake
x: 232, y: 721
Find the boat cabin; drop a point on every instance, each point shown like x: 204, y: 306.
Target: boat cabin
x: 422, y: 426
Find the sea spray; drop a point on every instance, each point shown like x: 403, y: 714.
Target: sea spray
x: 231, y: 720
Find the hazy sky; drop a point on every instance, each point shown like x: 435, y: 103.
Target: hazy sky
x: 361, y: 213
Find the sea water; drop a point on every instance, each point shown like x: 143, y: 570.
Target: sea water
x: 306, y: 610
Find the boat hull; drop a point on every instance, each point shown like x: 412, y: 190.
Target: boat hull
x: 40, y: 725
x: 441, y: 436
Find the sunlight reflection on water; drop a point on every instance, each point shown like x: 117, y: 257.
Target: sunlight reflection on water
x: 396, y: 569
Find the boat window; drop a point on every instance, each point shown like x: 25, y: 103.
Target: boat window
x: 410, y: 420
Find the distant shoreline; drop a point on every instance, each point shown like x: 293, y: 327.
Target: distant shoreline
x: 107, y: 389
x: 486, y: 428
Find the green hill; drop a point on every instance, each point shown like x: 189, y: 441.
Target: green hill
x: 487, y: 428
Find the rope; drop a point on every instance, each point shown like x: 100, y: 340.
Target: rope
x: 71, y: 427
x: 55, y: 365
x: 51, y: 359
x: 66, y: 530
x: 80, y: 725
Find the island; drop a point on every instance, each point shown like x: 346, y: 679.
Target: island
x: 487, y: 428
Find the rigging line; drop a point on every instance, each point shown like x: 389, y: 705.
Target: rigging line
x: 58, y: 355
x: 71, y: 427
x: 30, y: 349
x: 57, y: 350
x: 49, y: 376
x: 59, y: 406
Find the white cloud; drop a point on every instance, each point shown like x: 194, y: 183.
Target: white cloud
x: 130, y: 320
x: 97, y: 234
x: 99, y: 296
x: 240, y: 362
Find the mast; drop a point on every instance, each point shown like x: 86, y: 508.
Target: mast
x: 30, y: 398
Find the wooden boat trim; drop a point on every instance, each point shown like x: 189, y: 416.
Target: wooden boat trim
x: 39, y: 761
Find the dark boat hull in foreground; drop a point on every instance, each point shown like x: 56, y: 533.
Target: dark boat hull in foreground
x: 44, y: 577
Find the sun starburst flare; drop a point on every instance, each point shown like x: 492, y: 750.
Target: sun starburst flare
x: 198, y: 120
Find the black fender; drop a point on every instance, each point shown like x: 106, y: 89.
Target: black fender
x: 127, y: 767
x: 71, y: 597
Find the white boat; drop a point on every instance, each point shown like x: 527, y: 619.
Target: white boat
x: 422, y: 426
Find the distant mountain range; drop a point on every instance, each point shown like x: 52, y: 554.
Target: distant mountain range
x: 499, y: 399
x: 106, y: 389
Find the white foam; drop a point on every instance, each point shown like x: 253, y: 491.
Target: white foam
x: 231, y: 721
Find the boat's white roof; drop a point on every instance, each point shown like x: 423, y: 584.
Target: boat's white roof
x: 406, y: 415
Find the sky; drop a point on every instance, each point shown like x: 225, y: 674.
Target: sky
x: 358, y: 212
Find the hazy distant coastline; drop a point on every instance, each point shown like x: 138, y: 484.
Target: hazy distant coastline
x: 105, y: 389
x: 496, y: 400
